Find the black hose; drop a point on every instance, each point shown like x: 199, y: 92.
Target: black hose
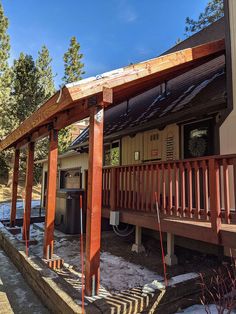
x: 124, y: 232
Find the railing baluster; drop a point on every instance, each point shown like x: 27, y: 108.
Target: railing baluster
x: 197, y: 190
x: 176, y: 211
x: 190, y: 190
x: 183, y: 195
x: 152, y: 187
x: 163, y: 189
x: 138, y: 188
x: 122, y: 187
x: 205, y: 190
x: 134, y: 188
x: 143, y: 188
x: 147, y: 188
x: 214, y: 175
x: 226, y: 191
x: 170, y: 203
x: 158, y: 190
x: 126, y: 188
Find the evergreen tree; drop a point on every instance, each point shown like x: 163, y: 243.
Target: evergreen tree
x: 45, y: 73
x: 5, y: 88
x: 213, y: 12
x: 27, y: 92
x: 72, y: 62
x: 5, y: 73
x: 73, y: 71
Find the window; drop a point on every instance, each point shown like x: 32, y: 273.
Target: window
x: 112, y: 154
x: 198, y: 139
x: 71, y: 179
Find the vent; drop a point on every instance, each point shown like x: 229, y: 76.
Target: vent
x: 154, y: 137
x: 170, y: 148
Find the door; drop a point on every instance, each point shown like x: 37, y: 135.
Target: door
x: 198, y: 141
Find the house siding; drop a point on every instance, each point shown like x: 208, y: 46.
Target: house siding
x: 152, y: 145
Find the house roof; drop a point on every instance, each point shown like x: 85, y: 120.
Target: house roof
x: 73, y: 102
x: 200, y: 91
x: 187, y: 92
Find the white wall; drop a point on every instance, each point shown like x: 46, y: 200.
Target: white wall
x: 69, y: 162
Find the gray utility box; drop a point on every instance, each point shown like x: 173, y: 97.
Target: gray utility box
x: 68, y: 211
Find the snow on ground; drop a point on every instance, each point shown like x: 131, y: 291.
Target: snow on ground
x: 200, y: 309
x: 5, y: 209
x: 125, y: 275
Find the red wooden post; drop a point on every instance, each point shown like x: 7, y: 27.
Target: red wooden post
x: 214, y: 195
x: 14, y: 187
x: 51, y: 194
x: 226, y: 191
x: 28, y: 191
x: 205, y: 189
x: 183, y: 194
x: 197, y: 190
x: 113, y: 187
x: 190, y: 189
x: 176, y: 189
x: 170, y: 203
x: 93, y: 230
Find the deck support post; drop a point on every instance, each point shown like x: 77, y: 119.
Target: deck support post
x: 215, y: 210
x: 171, y: 258
x: 94, y: 201
x: 51, y: 195
x: 137, y: 246
x: 14, y: 188
x: 28, y: 191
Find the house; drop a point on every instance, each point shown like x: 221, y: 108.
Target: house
x: 167, y: 138
x: 176, y: 120
x: 153, y: 125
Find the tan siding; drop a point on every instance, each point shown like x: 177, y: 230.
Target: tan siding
x: 152, y: 144
x: 130, y: 145
x: 170, y: 142
x: 149, y: 147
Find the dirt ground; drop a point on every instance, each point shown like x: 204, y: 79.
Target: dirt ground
x: 5, y: 192
x: 188, y: 260
x: 122, y: 269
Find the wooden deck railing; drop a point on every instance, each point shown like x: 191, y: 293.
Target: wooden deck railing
x: 199, y: 189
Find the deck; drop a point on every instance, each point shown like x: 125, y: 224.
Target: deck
x: 196, y: 197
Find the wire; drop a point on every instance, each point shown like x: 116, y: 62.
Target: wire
x: 124, y: 232
x: 82, y: 251
x: 161, y: 240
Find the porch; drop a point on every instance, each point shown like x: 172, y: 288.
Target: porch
x: 196, y: 197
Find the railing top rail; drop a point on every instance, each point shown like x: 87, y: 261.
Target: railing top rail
x: 178, y: 161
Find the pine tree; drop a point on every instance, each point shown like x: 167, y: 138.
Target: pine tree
x: 213, y: 12
x: 47, y: 88
x: 5, y: 72
x: 72, y: 62
x: 73, y: 72
x: 5, y: 88
x: 27, y: 92
x: 45, y: 73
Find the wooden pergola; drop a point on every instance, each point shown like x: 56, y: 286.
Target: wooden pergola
x: 74, y: 102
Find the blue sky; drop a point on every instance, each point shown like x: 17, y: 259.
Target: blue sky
x: 112, y: 33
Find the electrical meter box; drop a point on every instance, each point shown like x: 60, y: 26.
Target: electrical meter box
x: 114, y: 218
